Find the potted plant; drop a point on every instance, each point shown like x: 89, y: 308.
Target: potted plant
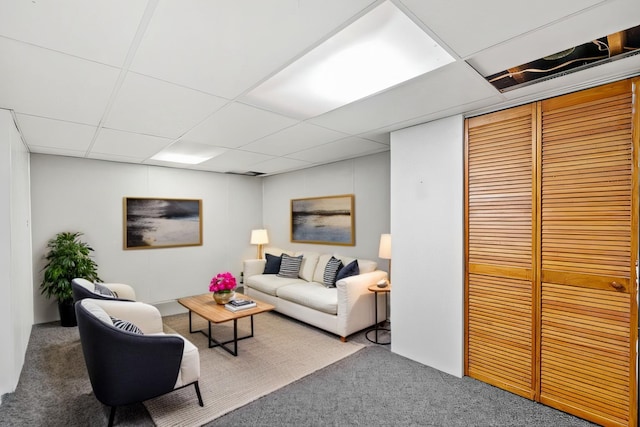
x: 68, y: 258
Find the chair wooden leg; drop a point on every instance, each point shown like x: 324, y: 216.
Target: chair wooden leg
x: 197, y: 386
x: 112, y: 415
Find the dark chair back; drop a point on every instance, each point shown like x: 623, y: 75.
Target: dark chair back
x: 81, y: 292
x: 125, y: 367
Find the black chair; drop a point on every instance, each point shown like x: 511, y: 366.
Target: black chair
x: 128, y: 367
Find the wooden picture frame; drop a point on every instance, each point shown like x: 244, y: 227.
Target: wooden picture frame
x: 328, y: 220
x: 151, y: 223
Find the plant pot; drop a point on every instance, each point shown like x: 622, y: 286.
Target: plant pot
x: 67, y: 314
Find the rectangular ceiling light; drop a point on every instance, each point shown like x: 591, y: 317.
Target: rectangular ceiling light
x: 190, y: 153
x: 380, y: 50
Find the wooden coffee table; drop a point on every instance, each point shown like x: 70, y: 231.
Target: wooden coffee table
x: 205, y: 307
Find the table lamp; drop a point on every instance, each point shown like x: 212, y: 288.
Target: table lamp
x: 385, y: 249
x: 259, y: 237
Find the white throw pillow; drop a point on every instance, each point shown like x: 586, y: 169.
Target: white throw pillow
x: 318, y: 274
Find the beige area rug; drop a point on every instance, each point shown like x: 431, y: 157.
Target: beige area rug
x: 280, y: 352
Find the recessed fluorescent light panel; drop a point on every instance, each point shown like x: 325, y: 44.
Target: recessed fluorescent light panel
x: 190, y: 153
x: 380, y: 50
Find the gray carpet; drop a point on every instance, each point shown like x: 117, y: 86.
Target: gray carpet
x: 370, y: 387
x: 377, y: 388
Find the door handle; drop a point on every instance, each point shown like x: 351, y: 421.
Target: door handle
x: 617, y: 286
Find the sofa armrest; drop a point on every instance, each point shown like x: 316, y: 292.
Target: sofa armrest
x: 253, y: 267
x: 122, y: 290
x: 144, y: 316
x: 353, y: 286
x: 355, y: 301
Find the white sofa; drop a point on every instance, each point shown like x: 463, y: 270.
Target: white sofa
x: 342, y: 310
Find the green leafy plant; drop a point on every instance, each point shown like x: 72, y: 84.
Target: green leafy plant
x: 68, y: 258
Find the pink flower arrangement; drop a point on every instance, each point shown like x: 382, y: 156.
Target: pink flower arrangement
x: 222, y: 282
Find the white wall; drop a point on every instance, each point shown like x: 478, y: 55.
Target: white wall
x: 73, y: 194
x: 16, y: 308
x: 366, y: 177
x: 427, y: 307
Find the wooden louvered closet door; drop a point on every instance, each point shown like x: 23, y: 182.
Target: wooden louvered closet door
x: 588, y: 251
x: 500, y: 296
x: 552, y: 199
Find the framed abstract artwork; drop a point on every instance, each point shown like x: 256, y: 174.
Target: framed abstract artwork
x: 151, y: 223
x: 326, y: 220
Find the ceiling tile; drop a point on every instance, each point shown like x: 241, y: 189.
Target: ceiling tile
x: 42, y: 132
x: 128, y: 144
x: 482, y: 24
x: 594, y: 23
x: 151, y: 106
x: 41, y: 82
x: 56, y: 151
x: 343, y: 149
x: 77, y: 27
x: 225, y: 47
x: 234, y: 161
x: 455, y: 84
x: 280, y: 164
x: 384, y: 137
x: 292, y: 139
x: 237, y: 124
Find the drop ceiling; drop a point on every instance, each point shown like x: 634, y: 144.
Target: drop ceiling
x: 120, y: 80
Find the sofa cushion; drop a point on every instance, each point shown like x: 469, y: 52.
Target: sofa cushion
x: 308, y: 266
x: 269, y: 283
x: 272, y: 266
x: 367, y: 266
x: 276, y: 251
x: 351, y: 269
x: 318, y: 275
x: 331, y: 271
x: 311, y: 294
x: 125, y: 325
x: 290, y: 266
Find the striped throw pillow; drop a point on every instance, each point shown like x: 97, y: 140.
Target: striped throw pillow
x: 330, y: 272
x: 103, y: 290
x: 290, y: 266
x: 125, y: 326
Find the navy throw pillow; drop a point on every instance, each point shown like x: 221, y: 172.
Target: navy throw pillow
x: 273, y: 264
x: 351, y: 269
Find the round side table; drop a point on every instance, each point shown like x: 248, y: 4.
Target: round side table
x: 377, y: 328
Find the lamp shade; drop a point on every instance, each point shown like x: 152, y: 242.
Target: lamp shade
x: 385, y: 246
x: 259, y: 237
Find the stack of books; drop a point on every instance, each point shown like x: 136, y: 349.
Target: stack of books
x: 239, y: 304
